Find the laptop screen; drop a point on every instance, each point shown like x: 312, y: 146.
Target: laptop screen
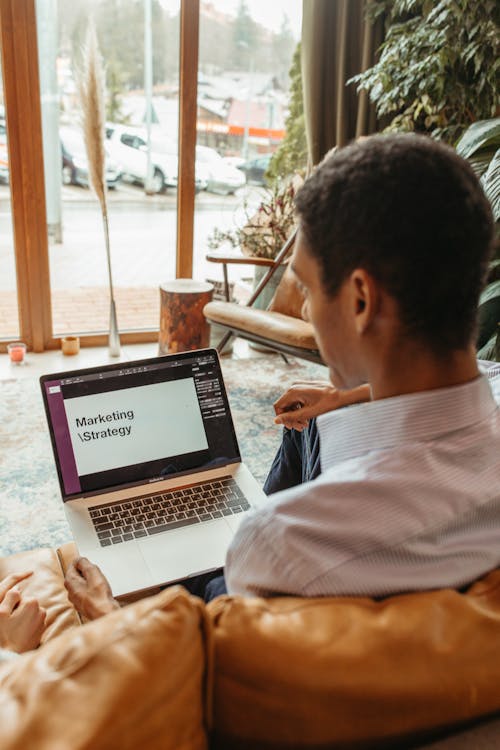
x: 134, y: 422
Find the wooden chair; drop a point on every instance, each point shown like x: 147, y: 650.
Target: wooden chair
x: 281, y: 327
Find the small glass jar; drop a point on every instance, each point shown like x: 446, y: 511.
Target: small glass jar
x: 70, y: 345
x: 17, y: 352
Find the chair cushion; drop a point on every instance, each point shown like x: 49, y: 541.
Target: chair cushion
x: 270, y: 325
x: 296, y: 673
x: 46, y: 585
x: 133, y: 679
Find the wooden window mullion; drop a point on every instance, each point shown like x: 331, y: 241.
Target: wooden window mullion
x: 24, y: 129
x: 188, y: 88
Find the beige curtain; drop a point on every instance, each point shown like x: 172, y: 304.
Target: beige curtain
x: 337, y: 43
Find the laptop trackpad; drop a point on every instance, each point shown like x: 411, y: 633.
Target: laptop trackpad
x: 186, y: 552
x: 125, y: 573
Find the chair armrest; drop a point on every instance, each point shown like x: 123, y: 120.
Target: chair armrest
x: 239, y: 259
x: 282, y: 257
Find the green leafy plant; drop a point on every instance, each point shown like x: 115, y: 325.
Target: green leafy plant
x: 488, y: 342
x: 480, y: 144
x: 291, y: 156
x: 491, y: 184
x: 266, y: 230
x: 438, y: 67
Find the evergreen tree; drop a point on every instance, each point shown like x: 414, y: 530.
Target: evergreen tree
x: 245, y: 38
x: 283, y: 46
x: 291, y: 156
x: 215, y: 41
x: 114, y: 87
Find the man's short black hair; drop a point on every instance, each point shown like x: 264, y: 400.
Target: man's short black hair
x: 412, y: 213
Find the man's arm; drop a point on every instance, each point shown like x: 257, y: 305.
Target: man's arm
x: 303, y: 401
x: 88, y: 589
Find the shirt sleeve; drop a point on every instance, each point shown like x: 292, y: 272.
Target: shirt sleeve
x: 251, y: 561
x: 281, y: 548
x: 268, y: 556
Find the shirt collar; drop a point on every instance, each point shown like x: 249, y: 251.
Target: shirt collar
x: 376, y: 425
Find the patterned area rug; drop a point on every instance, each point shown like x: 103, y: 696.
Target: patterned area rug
x: 31, y: 512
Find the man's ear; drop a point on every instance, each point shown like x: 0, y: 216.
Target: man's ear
x: 364, y: 299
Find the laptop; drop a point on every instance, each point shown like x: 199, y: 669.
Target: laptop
x: 149, y: 467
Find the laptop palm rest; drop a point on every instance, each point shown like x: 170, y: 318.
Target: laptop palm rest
x: 125, y: 573
x: 185, y: 552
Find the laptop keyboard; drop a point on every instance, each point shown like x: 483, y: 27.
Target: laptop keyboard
x: 153, y: 514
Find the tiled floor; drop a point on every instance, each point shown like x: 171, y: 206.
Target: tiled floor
x: 80, y: 310
x: 87, y: 309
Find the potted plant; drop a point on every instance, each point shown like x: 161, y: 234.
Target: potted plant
x: 264, y: 232
x: 437, y: 70
x: 480, y: 144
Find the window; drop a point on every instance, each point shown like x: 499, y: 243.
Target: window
x: 245, y: 54
x: 62, y: 271
x: 142, y: 226
x: 9, y: 313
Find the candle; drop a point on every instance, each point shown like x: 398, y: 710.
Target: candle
x: 16, y: 352
x: 70, y: 345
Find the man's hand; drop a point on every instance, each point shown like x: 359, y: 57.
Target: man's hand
x: 21, y: 618
x: 88, y: 590
x: 303, y: 401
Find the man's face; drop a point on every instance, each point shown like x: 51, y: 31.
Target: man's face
x: 331, y: 317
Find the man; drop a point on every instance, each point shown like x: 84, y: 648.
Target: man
x: 394, y: 240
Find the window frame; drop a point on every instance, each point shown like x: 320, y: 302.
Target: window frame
x: 19, y: 50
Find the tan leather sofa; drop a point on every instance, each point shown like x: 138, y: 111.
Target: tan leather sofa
x: 167, y: 672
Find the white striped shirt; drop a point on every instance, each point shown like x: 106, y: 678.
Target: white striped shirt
x: 408, y: 500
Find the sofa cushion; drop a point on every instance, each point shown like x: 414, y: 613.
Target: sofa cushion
x: 46, y: 585
x: 133, y: 679
x: 296, y: 673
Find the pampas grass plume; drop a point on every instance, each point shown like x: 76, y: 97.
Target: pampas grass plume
x: 91, y: 90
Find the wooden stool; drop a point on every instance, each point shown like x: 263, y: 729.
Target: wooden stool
x: 182, y: 324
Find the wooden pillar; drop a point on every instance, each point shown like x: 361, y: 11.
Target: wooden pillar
x: 182, y: 324
x: 24, y: 127
x: 188, y: 91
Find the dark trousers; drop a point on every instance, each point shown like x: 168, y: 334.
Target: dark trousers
x: 296, y: 461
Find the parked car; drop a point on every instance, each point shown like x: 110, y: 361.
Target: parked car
x: 255, y: 169
x: 4, y: 158
x: 4, y: 153
x: 220, y: 176
x: 233, y: 161
x: 129, y: 147
x: 75, y: 163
